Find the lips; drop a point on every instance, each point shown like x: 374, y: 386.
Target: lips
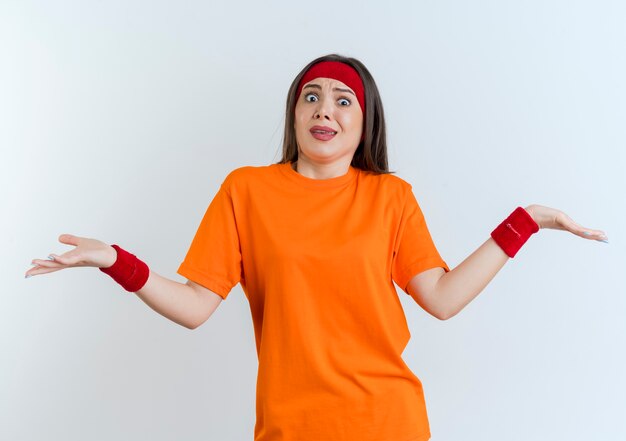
x: 323, y: 133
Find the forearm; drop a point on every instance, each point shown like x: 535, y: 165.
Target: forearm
x: 173, y: 300
x: 456, y: 288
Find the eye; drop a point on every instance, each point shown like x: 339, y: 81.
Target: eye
x: 344, y: 101
x: 310, y: 95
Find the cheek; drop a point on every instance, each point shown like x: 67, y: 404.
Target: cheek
x: 299, y: 117
x: 297, y: 125
x: 353, y: 121
x: 299, y: 129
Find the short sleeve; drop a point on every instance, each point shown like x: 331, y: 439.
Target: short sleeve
x: 214, y: 256
x: 414, y: 249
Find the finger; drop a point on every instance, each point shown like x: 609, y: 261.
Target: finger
x: 70, y: 258
x: 47, y: 263
x: 69, y: 239
x: 593, y: 234
x: 40, y: 270
x: 581, y: 231
x: 571, y: 224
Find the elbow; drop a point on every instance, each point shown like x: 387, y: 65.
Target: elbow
x: 196, y: 324
x: 449, y: 314
x: 441, y: 317
x: 191, y: 326
x: 445, y: 315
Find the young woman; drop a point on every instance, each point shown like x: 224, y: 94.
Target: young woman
x: 317, y: 241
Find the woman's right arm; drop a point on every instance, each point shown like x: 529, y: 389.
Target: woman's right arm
x: 188, y: 304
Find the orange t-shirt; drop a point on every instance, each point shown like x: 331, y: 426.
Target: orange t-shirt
x: 317, y: 259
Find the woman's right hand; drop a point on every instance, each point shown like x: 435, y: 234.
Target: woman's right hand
x: 87, y: 252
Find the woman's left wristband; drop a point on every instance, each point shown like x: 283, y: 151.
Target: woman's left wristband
x: 514, y: 231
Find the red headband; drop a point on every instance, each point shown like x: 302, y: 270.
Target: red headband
x: 337, y: 71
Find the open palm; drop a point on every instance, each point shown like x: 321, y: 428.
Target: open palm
x: 552, y: 218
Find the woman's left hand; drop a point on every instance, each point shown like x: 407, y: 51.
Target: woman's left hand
x: 547, y: 217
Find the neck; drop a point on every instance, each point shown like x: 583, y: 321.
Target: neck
x: 321, y: 171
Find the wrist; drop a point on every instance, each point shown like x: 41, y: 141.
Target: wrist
x: 129, y: 271
x: 530, y: 210
x: 514, y: 231
x: 111, y: 257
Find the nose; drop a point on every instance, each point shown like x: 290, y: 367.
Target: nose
x: 323, y: 109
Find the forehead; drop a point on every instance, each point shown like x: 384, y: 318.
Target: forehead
x: 327, y: 82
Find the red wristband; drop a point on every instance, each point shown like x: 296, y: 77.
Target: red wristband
x: 514, y: 231
x: 128, y: 270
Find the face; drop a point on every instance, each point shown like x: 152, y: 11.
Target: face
x: 327, y: 105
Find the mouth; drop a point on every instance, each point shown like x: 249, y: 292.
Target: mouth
x: 323, y: 133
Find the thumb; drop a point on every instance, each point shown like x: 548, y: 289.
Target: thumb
x: 69, y: 239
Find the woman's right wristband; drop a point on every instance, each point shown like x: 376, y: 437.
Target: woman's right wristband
x: 128, y: 270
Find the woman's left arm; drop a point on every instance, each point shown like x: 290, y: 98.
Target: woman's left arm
x: 456, y: 288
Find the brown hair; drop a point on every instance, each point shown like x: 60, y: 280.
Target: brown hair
x: 371, y: 154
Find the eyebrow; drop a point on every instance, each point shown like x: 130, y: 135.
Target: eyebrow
x: 317, y: 86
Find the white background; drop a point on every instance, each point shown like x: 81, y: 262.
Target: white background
x: 119, y: 120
